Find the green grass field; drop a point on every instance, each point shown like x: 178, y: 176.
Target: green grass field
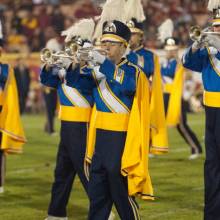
x: 178, y: 182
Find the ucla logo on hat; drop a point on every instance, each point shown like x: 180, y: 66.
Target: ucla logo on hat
x: 130, y: 24
x: 170, y: 41
x: 110, y: 27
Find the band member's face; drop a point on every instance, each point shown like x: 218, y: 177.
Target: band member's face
x: 216, y: 28
x: 172, y: 54
x: 115, y: 50
x: 135, y: 41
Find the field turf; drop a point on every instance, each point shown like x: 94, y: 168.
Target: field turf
x: 178, y: 182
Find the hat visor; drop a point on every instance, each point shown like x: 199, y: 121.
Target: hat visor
x: 171, y: 47
x: 136, y: 30
x: 215, y: 22
x: 113, y: 38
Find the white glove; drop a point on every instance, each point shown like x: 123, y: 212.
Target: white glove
x: 62, y: 73
x: 87, y: 44
x: 64, y: 62
x: 202, y: 42
x: 196, y: 45
x: 96, y: 57
x: 213, y: 40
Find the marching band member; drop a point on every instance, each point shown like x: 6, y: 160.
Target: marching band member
x: 149, y: 63
x: 204, y: 56
x: 113, y: 97
x: 12, y: 135
x: 172, y: 73
x: 74, y: 113
x: 117, y: 172
x: 50, y: 94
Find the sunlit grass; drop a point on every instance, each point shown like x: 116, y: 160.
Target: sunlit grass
x: 178, y: 182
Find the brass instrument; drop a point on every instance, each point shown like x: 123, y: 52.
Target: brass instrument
x: 50, y: 58
x: 84, y: 52
x: 72, y: 51
x: 71, y: 47
x: 197, y: 34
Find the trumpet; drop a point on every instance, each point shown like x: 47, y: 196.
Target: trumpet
x: 84, y: 53
x: 71, y: 48
x: 197, y: 34
x: 50, y: 58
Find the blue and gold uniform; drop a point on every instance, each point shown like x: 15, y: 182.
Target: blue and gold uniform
x: 74, y: 113
x: 118, y: 142
x: 172, y: 75
x: 113, y: 92
x: 145, y: 60
x: 117, y: 172
x: 12, y: 135
x: 207, y: 61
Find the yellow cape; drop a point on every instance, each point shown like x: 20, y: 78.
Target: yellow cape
x: 159, y: 137
x: 175, y: 89
x: 135, y: 157
x: 10, y: 121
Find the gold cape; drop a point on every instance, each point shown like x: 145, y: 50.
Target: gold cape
x: 175, y: 89
x: 159, y: 136
x: 13, y: 136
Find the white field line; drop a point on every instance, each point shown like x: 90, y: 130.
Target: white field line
x: 31, y: 169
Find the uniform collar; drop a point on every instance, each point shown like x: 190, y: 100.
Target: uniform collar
x: 138, y: 48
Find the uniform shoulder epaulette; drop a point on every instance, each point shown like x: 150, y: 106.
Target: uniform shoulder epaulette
x: 132, y: 64
x: 136, y: 68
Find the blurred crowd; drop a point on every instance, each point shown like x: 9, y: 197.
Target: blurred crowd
x: 29, y: 24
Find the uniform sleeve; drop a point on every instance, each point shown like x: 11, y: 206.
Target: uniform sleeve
x: 83, y: 81
x: 50, y: 77
x: 133, y: 58
x: 124, y: 79
x: 194, y: 61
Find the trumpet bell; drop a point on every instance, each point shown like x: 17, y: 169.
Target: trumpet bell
x: 195, y: 33
x: 46, y: 55
x: 71, y: 47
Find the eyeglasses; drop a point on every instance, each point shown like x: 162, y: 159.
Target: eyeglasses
x: 110, y: 43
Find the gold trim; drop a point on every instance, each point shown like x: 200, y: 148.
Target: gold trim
x: 134, y: 208
x: 211, y: 99
x: 136, y: 30
x: 138, y: 48
x: 112, y: 121
x: 211, y: 61
x: 215, y: 21
x: 114, y: 37
x: 73, y: 113
x: 16, y: 137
